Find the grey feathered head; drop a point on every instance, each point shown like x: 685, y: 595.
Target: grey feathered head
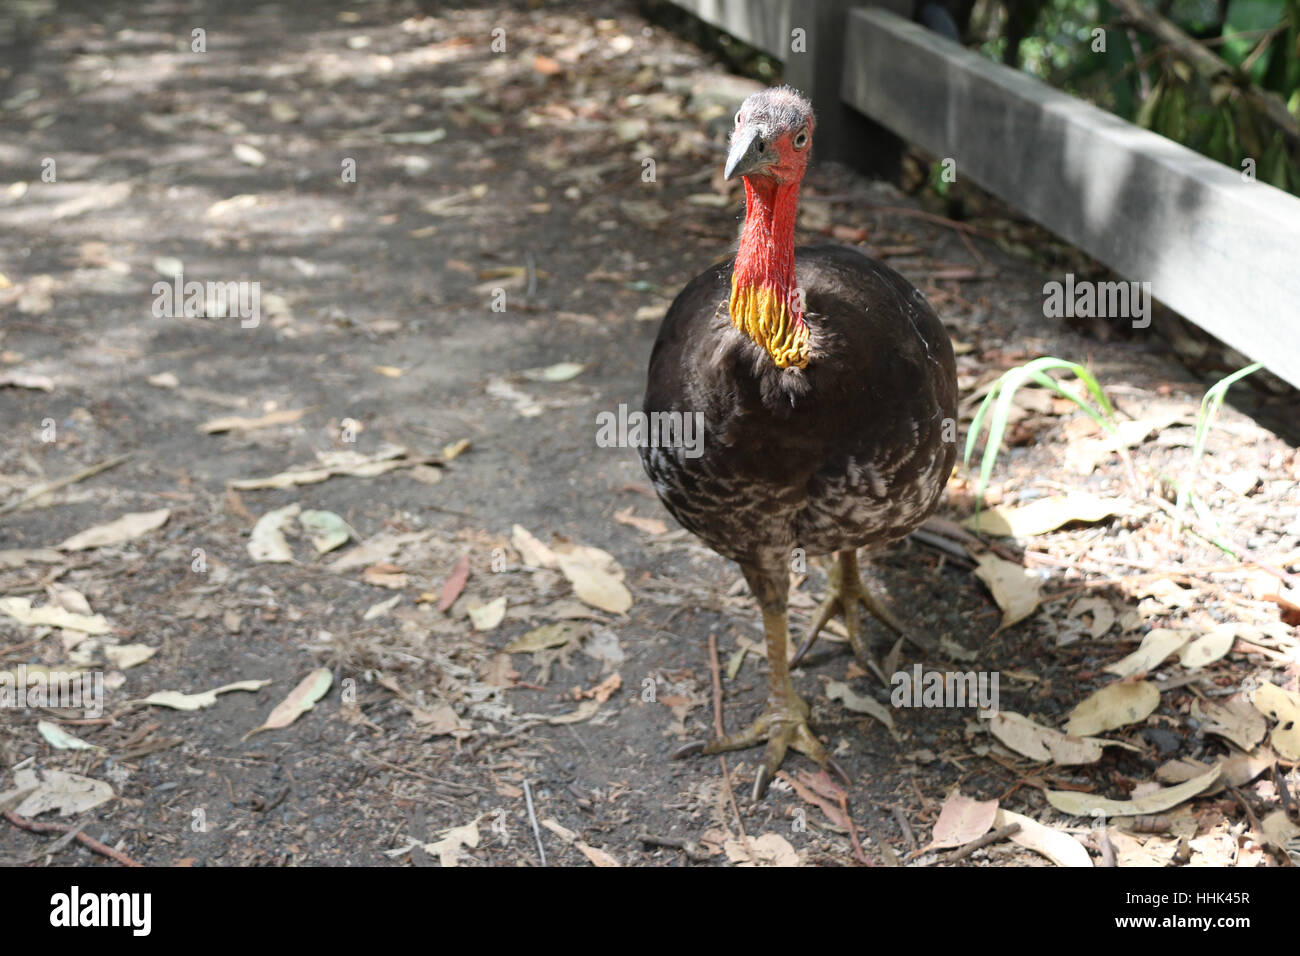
x: 772, y: 135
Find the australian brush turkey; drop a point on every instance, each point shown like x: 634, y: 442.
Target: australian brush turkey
x: 828, y: 392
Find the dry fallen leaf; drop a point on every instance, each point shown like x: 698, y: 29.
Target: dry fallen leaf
x: 648, y: 525
x: 326, y: 530
x: 454, y: 584
x: 586, y: 710
x: 1284, y: 707
x: 770, y: 849
x: 1278, y: 830
x: 69, y: 598
x: 1115, y: 705
x: 497, y: 671
x: 125, y: 528
x: 548, y: 635
x: 331, y: 463
x: 439, y: 720
x: 838, y: 690
x: 596, y: 577
x: 531, y: 551
x: 1037, y: 742
x: 1061, y: 848
x: 1209, y: 647
x: 1237, y: 769
x: 455, y: 449
x: 1103, y: 614
x: 1233, y: 719
x: 124, y: 656
x: 1045, y: 514
x: 560, y: 830
x: 267, y: 542
x: 385, y: 575
x: 249, y: 155
x: 524, y: 404
x: 21, y: 610
x: 68, y: 793
x: 378, y: 549
x: 597, y: 856
x: 962, y: 820
x: 178, y: 701
x: 20, y: 379
x: 448, y: 849
x: 1158, y: 645
x: 239, y: 423
x: 1086, y: 804
x: 1164, y: 593
x: 547, y: 66
x: 381, y: 608
x: 60, y: 739
x: 559, y: 372
x: 223, y: 206
x: 652, y: 313
x: 1015, y: 589
x: 485, y: 617
x: 605, y: 689
x: 808, y: 794
x: 19, y: 557
x: 300, y: 700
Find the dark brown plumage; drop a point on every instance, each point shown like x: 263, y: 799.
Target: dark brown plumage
x: 848, y: 445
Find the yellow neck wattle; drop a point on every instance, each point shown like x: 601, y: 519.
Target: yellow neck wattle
x: 766, y: 317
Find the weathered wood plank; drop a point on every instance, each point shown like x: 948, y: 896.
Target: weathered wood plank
x: 1222, y: 252
x: 807, y: 36
x: 760, y: 23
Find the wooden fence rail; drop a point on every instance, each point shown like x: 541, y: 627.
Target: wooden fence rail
x: 1220, y: 250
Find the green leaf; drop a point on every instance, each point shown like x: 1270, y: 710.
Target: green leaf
x: 1148, y: 110
x: 1243, y: 29
x: 1275, y: 164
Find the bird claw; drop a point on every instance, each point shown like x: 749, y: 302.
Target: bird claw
x: 847, y: 596
x: 784, y: 725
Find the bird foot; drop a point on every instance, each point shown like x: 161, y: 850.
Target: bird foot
x: 784, y: 725
x: 847, y: 596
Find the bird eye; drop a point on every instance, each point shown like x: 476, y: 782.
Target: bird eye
x: 801, y: 139
x: 737, y: 117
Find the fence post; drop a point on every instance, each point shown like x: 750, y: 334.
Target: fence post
x: 843, y: 133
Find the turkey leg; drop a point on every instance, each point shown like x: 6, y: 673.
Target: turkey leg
x: 846, y: 595
x: 784, y: 722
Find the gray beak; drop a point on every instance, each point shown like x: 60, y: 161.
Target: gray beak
x: 748, y: 153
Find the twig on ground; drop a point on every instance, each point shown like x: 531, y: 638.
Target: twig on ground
x: 993, y: 836
x: 532, y: 818
x: 1288, y: 803
x: 63, y: 482
x: 1107, y: 849
x: 906, y: 827
x: 716, y: 671
x: 1254, y: 820
x: 89, y: 842
x: 690, y: 848
x: 50, y: 850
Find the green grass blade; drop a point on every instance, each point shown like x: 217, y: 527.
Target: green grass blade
x: 1210, y: 405
x: 996, y: 407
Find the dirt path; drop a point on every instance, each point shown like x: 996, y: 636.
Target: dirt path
x: 478, y: 171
